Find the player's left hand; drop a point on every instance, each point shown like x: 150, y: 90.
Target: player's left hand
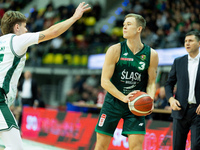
x: 152, y: 106
x: 149, y: 113
x: 82, y: 7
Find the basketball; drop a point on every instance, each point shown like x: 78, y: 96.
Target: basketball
x: 140, y: 104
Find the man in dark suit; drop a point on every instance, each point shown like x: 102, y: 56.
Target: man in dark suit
x: 185, y: 72
x: 28, y: 89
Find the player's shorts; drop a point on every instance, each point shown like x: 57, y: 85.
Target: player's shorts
x: 111, y: 113
x: 7, y: 119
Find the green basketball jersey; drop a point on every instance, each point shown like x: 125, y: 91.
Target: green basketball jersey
x: 131, y: 71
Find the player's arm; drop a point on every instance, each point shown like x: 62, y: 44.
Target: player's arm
x: 58, y: 29
x: 111, y: 58
x: 152, y: 72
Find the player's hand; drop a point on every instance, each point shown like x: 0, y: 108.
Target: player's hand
x: 82, y: 7
x: 175, y: 105
x: 152, y: 106
x: 149, y: 113
x: 131, y: 94
x: 198, y: 110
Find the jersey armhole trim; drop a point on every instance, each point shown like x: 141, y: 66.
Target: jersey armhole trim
x: 149, y: 55
x: 12, y: 49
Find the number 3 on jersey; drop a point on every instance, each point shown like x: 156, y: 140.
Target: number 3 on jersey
x: 142, y: 65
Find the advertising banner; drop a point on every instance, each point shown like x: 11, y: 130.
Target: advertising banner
x: 75, y: 130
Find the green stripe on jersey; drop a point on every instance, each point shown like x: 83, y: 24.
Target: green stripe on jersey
x: 9, y: 74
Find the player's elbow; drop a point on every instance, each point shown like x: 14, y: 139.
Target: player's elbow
x: 53, y: 32
x: 104, y: 83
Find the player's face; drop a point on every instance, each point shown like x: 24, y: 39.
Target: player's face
x: 129, y: 27
x: 191, y: 44
x: 22, y: 28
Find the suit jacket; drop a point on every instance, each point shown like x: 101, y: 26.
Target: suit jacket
x: 179, y: 75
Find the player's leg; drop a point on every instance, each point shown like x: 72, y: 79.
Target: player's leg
x: 106, y: 125
x: 103, y: 141
x: 134, y: 129
x: 9, y: 129
x: 105, y: 129
x: 12, y: 139
x: 135, y: 141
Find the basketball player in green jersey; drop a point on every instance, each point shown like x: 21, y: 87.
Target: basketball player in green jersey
x: 129, y: 67
x: 13, y: 47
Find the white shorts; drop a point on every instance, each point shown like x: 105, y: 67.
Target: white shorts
x: 7, y: 119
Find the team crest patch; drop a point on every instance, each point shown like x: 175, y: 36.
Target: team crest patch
x: 143, y: 57
x: 102, y: 119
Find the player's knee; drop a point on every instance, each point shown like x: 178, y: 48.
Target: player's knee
x: 101, y: 147
x: 103, y: 141
x: 135, y: 146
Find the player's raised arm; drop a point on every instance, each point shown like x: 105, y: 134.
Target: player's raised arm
x: 61, y: 27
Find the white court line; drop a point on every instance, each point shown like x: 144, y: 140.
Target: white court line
x: 31, y: 145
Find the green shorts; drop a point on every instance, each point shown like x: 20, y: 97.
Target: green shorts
x: 7, y: 120
x: 111, y: 113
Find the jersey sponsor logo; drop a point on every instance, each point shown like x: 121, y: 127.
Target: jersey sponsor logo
x: 102, y: 120
x: 130, y: 87
x: 127, y: 59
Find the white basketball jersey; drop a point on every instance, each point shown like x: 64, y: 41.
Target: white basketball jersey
x: 11, y: 66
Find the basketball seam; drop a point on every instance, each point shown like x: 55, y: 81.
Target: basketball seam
x: 143, y: 95
x: 133, y: 102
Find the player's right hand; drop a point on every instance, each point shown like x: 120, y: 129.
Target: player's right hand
x: 80, y: 10
x: 175, y: 105
x: 126, y: 98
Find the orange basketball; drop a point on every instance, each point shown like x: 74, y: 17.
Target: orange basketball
x: 140, y: 104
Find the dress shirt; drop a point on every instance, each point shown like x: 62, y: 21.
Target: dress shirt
x: 26, y: 89
x: 192, y: 72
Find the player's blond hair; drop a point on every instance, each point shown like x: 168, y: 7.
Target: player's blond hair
x: 10, y: 19
x: 139, y: 19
